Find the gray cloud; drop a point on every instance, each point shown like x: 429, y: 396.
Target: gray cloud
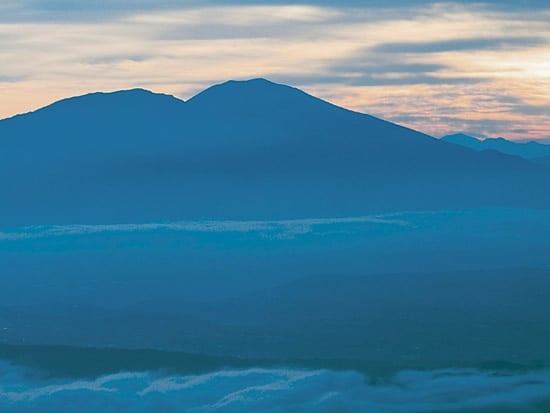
x: 500, y: 5
x: 503, y: 114
x: 207, y: 31
x: 460, y: 45
x: 481, y: 128
x: 372, y: 80
x: 376, y: 67
x: 536, y: 110
x: 7, y: 78
x: 381, y: 79
x: 69, y: 10
x: 110, y: 59
x: 276, y: 390
x: 398, y: 67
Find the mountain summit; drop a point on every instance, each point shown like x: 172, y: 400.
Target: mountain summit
x: 254, y: 93
x: 239, y: 149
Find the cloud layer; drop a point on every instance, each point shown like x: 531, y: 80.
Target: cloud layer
x: 280, y: 229
x: 482, y: 68
x: 274, y: 390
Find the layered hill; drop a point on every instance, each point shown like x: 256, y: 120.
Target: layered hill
x: 528, y: 150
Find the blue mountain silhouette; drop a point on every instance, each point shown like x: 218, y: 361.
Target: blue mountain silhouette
x: 542, y: 160
x: 527, y: 150
x: 238, y: 149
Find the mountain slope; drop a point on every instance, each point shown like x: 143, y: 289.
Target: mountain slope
x: 239, y: 149
x: 542, y: 160
x: 527, y: 150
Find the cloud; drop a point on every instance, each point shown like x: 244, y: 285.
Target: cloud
x: 276, y: 390
x: 456, y: 45
x: 10, y: 78
x: 68, y: 9
x: 386, y: 80
x: 172, y: 11
x: 50, y: 390
x: 374, y: 56
x: 274, y: 228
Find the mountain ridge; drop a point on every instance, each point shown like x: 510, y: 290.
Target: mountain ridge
x: 528, y: 150
x: 92, y: 97
x: 239, y: 149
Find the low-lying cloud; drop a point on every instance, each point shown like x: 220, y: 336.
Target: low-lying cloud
x: 268, y: 228
x: 274, y: 390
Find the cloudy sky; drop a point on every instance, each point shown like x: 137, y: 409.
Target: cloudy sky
x: 482, y: 68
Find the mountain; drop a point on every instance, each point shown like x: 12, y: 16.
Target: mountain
x: 241, y: 149
x: 452, y: 316
x: 464, y: 140
x: 542, y: 160
x: 253, y: 219
x: 527, y: 150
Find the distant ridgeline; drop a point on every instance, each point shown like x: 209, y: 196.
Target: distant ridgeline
x: 251, y: 149
x: 534, y: 151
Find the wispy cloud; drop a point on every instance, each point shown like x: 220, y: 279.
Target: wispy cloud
x: 50, y: 390
x: 274, y: 228
x: 277, y: 390
x: 458, y: 45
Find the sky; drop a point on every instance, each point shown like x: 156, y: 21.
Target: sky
x: 439, y: 67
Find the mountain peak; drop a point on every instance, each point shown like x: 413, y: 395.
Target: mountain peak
x: 121, y: 96
x: 463, y: 140
x: 255, y: 81
x: 261, y: 100
x: 257, y: 85
x: 131, y: 100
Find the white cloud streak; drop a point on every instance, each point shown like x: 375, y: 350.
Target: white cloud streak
x: 275, y: 228
x: 278, y: 390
